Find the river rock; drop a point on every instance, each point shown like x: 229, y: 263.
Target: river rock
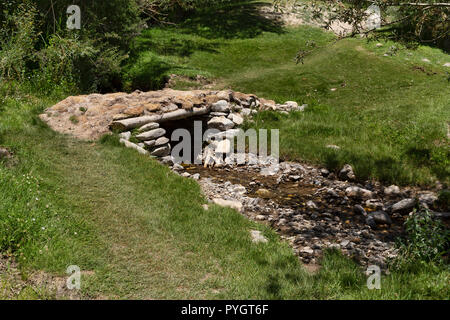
x: 224, y: 95
x: 149, y: 143
x: 218, y: 114
x: 229, y: 134
x: 311, y: 205
x: 132, y: 145
x: 347, y: 173
x: 357, y: 192
x: 236, y: 118
x: 167, y: 160
x: 374, y: 204
x: 196, y: 176
x: 161, y: 141
x: 404, y: 205
x: 245, y: 112
x: 392, y: 190
x: 149, y: 126
x: 220, y: 123
x: 223, y: 146
x: 233, y: 204
x: 270, y: 171
x: 307, y: 250
x: 370, y: 221
x: 4, y: 153
x: 359, y: 210
x: 428, y: 198
x: 332, y: 146
x: 221, y: 106
x: 380, y: 217
x: 257, y: 236
x: 161, y: 151
x: 263, y: 193
x: 177, y: 167
x: 239, y: 189
x: 125, y: 135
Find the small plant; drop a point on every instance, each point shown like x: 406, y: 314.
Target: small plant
x: 74, y: 119
x: 83, y: 109
x: 427, y: 239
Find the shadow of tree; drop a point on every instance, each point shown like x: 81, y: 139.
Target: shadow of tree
x: 285, y: 272
x: 235, y: 20
x: 174, y: 45
x: 203, y: 29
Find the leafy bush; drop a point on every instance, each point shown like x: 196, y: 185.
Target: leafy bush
x: 90, y: 66
x: 34, y: 41
x: 427, y: 239
x: 17, y: 42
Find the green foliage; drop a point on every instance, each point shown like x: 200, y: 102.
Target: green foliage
x: 34, y: 42
x: 18, y: 36
x: 412, y: 22
x: 427, y: 239
x: 82, y: 63
x: 104, y: 199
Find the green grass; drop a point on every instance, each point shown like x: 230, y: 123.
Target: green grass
x: 389, y: 114
x: 139, y: 230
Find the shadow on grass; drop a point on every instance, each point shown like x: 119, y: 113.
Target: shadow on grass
x: 173, y: 45
x: 241, y: 20
x: 236, y: 20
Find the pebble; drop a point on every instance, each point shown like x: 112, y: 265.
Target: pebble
x: 257, y: 236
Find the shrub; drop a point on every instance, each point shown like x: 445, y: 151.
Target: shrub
x: 427, y: 239
x: 83, y: 63
x: 34, y: 41
x: 17, y: 39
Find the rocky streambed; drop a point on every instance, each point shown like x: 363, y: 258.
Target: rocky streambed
x: 313, y: 209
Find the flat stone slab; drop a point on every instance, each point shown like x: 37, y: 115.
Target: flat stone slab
x: 88, y: 117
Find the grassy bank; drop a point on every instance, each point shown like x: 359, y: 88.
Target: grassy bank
x: 138, y: 231
x: 388, y: 114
